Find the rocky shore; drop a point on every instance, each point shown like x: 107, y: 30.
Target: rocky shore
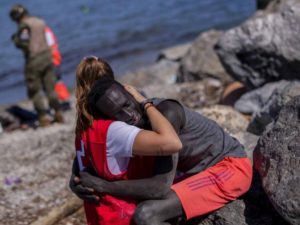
x: 246, y: 79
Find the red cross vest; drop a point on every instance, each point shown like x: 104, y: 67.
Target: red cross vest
x: 91, y: 152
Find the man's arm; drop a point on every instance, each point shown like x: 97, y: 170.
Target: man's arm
x: 155, y: 187
x: 22, y: 37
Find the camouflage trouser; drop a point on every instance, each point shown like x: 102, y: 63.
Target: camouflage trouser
x: 40, y: 76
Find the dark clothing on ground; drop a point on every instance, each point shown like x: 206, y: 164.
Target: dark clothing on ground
x: 16, y: 117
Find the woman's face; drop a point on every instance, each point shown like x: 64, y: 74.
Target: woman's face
x: 118, y: 104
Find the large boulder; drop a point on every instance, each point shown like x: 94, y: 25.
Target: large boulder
x: 269, y: 111
x: 255, y: 100
x: 262, y: 4
x: 264, y: 49
x: 201, y: 60
x: 277, y: 159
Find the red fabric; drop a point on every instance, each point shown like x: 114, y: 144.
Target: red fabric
x: 56, y: 56
x: 214, y: 187
x: 110, y: 210
x: 62, y: 91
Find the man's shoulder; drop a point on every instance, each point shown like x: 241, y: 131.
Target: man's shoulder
x: 169, y: 105
x: 173, y: 111
x: 33, y: 20
x: 166, y: 101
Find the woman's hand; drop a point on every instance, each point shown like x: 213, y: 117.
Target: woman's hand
x: 138, y: 97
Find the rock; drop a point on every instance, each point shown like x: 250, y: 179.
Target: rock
x: 248, y: 140
x: 228, y: 118
x: 269, y: 111
x: 262, y: 4
x: 263, y: 49
x: 241, y: 212
x: 162, y: 72
x: 276, y: 5
x: 277, y: 159
x: 174, y: 53
x: 254, y: 100
x: 192, y: 94
x: 201, y: 60
x: 231, y: 214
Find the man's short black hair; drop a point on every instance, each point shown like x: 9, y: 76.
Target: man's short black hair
x: 98, y: 90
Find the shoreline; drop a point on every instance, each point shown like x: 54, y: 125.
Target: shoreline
x: 144, y: 61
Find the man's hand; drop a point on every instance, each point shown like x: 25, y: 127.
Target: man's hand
x: 13, y: 37
x: 87, y: 179
x: 84, y: 193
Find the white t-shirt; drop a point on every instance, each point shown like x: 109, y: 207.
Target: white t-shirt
x: 119, y: 142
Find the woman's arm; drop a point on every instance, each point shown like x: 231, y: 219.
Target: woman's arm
x: 162, y: 140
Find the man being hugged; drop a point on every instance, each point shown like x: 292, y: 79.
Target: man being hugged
x: 212, y: 168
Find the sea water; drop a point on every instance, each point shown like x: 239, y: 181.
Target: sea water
x: 128, y: 34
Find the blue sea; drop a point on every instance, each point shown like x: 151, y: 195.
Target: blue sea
x: 128, y: 34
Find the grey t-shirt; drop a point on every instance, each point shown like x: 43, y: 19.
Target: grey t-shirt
x: 204, y: 143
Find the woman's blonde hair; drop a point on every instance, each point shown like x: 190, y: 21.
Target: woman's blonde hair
x: 88, y: 71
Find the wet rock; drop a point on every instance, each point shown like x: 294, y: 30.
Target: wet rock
x: 277, y: 159
x: 264, y: 49
x: 269, y: 111
x: 201, y: 60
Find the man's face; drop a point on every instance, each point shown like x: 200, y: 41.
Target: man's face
x: 118, y: 104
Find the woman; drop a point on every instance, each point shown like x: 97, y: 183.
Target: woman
x: 106, y: 145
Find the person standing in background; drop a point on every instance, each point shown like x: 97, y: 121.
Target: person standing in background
x: 39, y: 71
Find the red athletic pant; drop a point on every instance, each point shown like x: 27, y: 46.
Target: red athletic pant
x: 214, y: 187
